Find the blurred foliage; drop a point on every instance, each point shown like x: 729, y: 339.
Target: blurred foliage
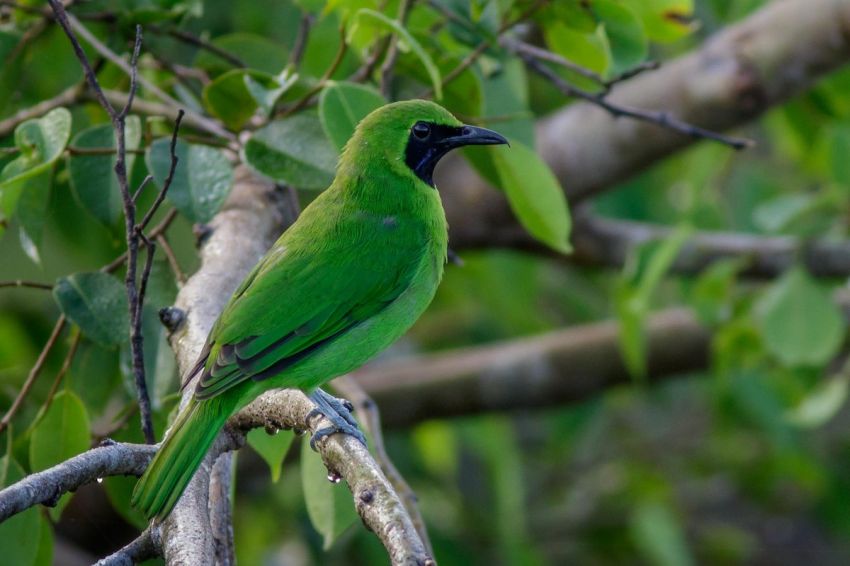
x: 746, y: 462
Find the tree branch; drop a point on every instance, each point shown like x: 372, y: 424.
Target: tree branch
x: 607, y: 241
x: 144, y: 547
x: 34, y: 372
x: 735, y: 76
x: 47, y: 487
x: 564, y: 366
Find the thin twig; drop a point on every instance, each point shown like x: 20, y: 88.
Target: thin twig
x: 71, y: 24
x: 132, y: 235
x: 157, y: 230
x: 68, y: 96
x: 140, y: 549
x: 168, y: 179
x: 63, y: 371
x: 473, y: 56
x: 193, y: 39
x: 305, y: 100
x: 663, y: 119
x: 34, y: 372
x: 24, y: 8
x: 368, y: 66
x: 300, y: 45
x: 393, y: 50
x: 151, y: 108
x: 516, y: 46
x: 27, y: 284
x: 162, y: 240
x: 73, y: 150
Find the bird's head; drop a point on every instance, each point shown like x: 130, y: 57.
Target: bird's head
x: 416, y: 134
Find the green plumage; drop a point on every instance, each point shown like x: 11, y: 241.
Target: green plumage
x: 341, y: 284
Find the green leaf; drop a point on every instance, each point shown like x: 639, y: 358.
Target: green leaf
x: 839, y: 156
x: 44, y: 556
x: 95, y: 302
x: 93, y: 177
x: 201, y: 182
x: 341, y: 107
x: 665, y: 20
x: 236, y: 95
x: 658, y: 535
x: 271, y: 447
x: 588, y: 49
x: 40, y: 142
x: 94, y: 376
x: 227, y: 97
x: 800, y: 324
x: 294, y: 151
x: 713, y: 291
x: 821, y: 404
x: 63, y: 432
x: 626, y: 37
x: 534, y: 194
x: 778, y: 213
x: 267, y: 90
x: 642, y: 274
x: 329, y: 504
x: 19, y: 534
x: 367, y: 18
x: 31, y: 210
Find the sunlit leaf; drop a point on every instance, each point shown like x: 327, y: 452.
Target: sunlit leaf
x: 821, y: 404
x: 329, y: 504
x: 93, y: 177
x: 293, y: 151
x: 799, y: 322
x: 271, y: 447
x: 97, y: 303
x: 342, y: 106
x: 201, y: 182
x: 665, y: 20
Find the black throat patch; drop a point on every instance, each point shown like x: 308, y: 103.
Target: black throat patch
x: 423, y: 153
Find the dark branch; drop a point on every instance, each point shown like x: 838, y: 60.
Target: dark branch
x: 193, y: 39
x: 26, y: 284
x: 45, y: 487
x: 661, y: 118
x: 34, y: 373
x: 144, y: 547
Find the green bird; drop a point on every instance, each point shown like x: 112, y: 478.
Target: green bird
x: 346, y: 280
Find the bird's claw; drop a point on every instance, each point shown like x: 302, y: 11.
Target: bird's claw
x: 338, y: 411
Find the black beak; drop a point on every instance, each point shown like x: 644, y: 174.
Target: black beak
x: 472, y: 135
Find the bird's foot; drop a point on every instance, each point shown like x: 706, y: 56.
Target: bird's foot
x: 338, y: 411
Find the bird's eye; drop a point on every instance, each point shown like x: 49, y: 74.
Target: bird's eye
x: 421, y: 130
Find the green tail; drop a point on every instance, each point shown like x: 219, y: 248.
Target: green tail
x: 180, y: 455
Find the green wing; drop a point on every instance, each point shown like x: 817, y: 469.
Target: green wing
x: 296, y: 301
